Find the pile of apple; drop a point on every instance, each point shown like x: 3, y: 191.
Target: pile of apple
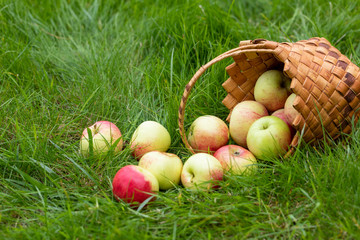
x: 258, y: 135
x: 262, y: 127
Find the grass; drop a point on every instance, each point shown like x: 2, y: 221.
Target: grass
x: 66, y: 64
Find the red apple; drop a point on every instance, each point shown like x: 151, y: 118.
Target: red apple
x: 104, y: 135
x: 272, y: 89
x: 281, y: 114
x: 208, y: 133
x: 268, y: 137
x: 134, y: 184
x: 236, y: 159
x: 242, y: 116
x: 290, y: 111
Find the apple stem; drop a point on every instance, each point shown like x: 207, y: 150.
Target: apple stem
x: 96, y: 129
x: 265, y: 126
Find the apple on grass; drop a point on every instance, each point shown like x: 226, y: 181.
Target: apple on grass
x: 208, y: 133
x: 99, y: 138
x: 150, y: 136
x: 134, y: 184
x: 268, y: 137
x: 242, y: 116
x: 166, y: 167
x: 236, y: 159
x: 201, y: 171
x: 272, y: 89
x: 289, y: 110
x: 281, y: 114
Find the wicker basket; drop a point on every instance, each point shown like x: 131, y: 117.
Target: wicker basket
x: 326, y: 83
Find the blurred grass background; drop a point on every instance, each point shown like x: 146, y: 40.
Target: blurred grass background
x: 67, y: 64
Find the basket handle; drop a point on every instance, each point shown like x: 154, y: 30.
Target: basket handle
x: 249, y: 46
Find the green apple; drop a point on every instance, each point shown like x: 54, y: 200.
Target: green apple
x: 166, y: 167
x: 104, y: 135
x: 201, y: 171
x: 268, y: 137
x: 242, y: 116
x: 272, y: 89
x: 150, y: 136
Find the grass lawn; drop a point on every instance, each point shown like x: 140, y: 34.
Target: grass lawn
x: 67, y: 64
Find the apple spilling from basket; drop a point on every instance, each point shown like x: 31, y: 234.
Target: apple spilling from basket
x: 261, y: 129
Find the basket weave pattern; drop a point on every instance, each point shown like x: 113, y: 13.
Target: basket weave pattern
x: 326, y: 82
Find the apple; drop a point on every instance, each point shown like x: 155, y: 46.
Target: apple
x: 104, y: 135
x: 272, y: 89
x: 281, y: 114
x: 166, y: 167
x: 149, y: 136
x: 208, y: 133
x: 201, y: 171
x: 241, y: 118
x: 290, y: 111
x: 268, y: 137
x: 236, y: 159
x: 134, y: 184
